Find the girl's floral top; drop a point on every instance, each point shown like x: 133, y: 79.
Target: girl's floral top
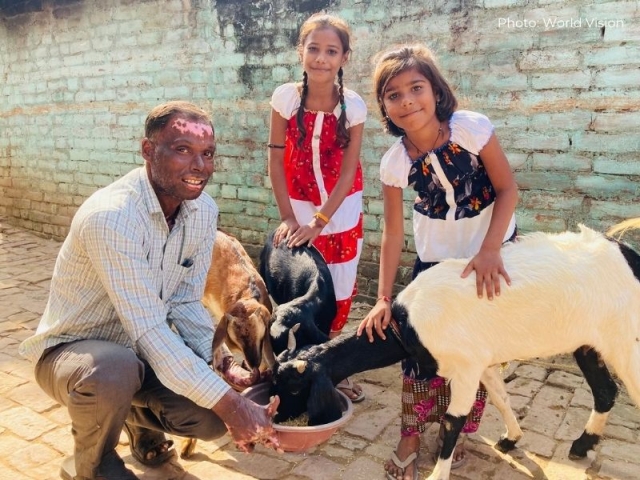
x: 454, y: 202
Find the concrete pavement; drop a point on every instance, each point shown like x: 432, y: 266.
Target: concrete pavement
x: 550, y: 398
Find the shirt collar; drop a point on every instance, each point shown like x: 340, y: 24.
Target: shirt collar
x: 152, y: 203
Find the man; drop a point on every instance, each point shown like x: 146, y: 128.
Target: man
x: 125, y: 340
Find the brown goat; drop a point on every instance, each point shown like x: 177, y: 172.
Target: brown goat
x: 237, y: 297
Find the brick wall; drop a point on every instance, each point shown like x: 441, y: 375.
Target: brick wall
x: 558, y: 78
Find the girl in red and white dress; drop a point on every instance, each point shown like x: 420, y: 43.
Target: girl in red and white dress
x: 314, y: 161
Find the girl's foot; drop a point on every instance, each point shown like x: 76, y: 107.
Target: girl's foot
x: 351, y: 390
x: 459, y: 453
x: 406, y: 447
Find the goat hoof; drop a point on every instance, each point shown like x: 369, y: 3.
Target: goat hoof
x: 505, y: 445
x: 582, y: 445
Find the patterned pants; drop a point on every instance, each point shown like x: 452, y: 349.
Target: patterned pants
x: 426, y: 401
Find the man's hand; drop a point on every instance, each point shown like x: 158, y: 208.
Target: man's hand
x: 236, y: 375
x: 248, y: 423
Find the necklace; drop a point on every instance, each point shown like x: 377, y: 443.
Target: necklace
x: 420, y: 152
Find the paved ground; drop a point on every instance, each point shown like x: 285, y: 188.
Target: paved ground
x: 551, y: 400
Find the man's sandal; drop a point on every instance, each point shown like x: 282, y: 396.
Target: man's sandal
x: 402, y: 465
x: 110, y: 467
x: 150, y: 448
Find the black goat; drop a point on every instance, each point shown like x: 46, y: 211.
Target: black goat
x: 306, y: 377
x: 300, y: 283
x: 568, y: 290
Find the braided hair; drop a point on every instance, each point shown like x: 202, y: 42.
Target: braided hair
x: 315, y: 22
x: 302, y: 131
x: 343, y: 131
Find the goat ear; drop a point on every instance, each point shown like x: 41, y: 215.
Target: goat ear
x: 268, y: 356
x: 267, y: 303
x: 300, y: 365
x: 220, y: 335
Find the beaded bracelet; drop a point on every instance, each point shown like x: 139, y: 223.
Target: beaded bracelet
x: 321, y: 216
x: 273, y: 145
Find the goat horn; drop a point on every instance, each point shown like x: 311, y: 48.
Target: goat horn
x: 300, y: 365
x: 291, y: 343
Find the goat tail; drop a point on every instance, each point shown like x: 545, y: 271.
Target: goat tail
x: 621, y: 228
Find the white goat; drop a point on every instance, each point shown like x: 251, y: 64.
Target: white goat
x: 568, y: 290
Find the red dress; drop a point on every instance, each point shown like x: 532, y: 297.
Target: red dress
x: 312, y: 172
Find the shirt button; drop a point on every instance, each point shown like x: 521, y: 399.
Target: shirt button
x: 317, y: 137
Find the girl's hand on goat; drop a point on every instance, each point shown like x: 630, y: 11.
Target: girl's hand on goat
x: 489, y: 267
x: 247, y: 422
x: 306, y: 234
x: 286, y: 228
x: 377, y: 319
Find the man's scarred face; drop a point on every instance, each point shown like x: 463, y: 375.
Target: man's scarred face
x: 179, y: 161
x: 198, y: 129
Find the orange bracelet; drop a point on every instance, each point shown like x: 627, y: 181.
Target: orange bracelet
x: 321, y: 216
x: 384, y: 298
